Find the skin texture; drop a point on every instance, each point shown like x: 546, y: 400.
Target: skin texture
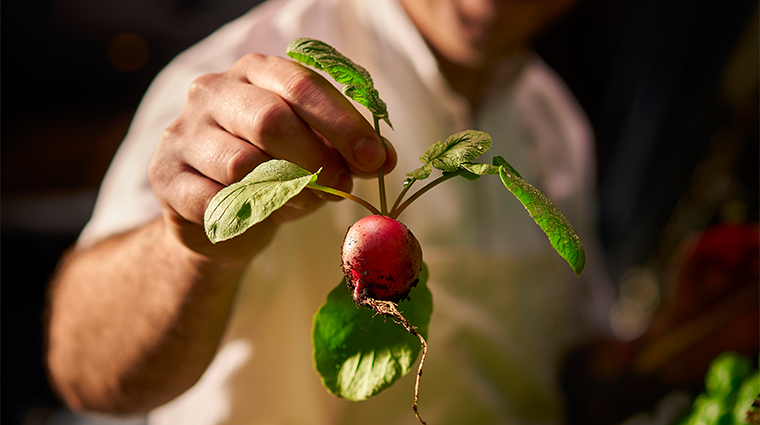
x: 381, y: 259
x: 134, y: 320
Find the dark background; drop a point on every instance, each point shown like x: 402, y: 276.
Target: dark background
x: 670, y: 86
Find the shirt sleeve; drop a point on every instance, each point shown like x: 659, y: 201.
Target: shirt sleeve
x: 125, y: 199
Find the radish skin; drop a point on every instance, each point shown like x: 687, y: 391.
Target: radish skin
x: 381, y: 259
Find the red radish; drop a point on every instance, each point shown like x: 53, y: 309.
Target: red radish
x: 381, y: 259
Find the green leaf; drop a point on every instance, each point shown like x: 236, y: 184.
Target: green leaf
x: 240, y: 205
x: 726, y: 373
x: 421, y: 173
x: 708, y: 410
x: 359, y: 353
x: 463, y: 173
x: 457, y: 149
x: 359, y: 85
x: 549, y: 218
x: 481, y: 169
x: 745, y: 396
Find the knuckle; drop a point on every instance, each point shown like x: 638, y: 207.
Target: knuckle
x: 239, y: 165
x: 250, y: 59
x: 274, y: 120
x: 301, y: 84
x: 203, y: 86
x: 173, y: 131
x: 164, y: 159
x: 348, y: 124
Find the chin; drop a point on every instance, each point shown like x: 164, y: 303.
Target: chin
x: 464, y: 52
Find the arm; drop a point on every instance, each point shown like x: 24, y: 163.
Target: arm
x: 135, y: 319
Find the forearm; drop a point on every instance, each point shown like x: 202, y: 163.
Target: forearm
x: 135, y: 320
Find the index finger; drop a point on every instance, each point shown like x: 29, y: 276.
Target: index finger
x: 324, y: 109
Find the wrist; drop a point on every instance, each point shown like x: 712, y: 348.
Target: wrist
x: 190, y: 243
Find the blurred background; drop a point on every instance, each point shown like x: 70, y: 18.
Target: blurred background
x: 670, y: 87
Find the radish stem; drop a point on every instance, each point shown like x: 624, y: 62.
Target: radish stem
x: 380, y: 174
x: 397, y: 211
x: 401, y: 195
x: 345, y: 195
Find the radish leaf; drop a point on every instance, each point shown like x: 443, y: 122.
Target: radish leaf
x: 421, y: 173
x: 457, y: 149
x: 359, y: 353
x: 481, y: 169
x: 550, y: 219
x: 240, y: 205
x: 359, y: 85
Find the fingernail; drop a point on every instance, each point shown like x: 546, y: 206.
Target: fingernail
x: 369, y: 153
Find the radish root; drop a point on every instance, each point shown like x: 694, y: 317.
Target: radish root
x: 388, y: 309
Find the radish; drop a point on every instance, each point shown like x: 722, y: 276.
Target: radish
x: 381, y: 259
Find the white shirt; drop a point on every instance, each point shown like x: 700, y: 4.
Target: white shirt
x: 506, y: 305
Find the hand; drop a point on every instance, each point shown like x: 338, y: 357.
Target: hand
x: 263, y: 107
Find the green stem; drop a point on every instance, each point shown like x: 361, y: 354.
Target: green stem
x: 422, y: 191
x: 402, y: 194
x: 380, y: 174
x: 345, y: 195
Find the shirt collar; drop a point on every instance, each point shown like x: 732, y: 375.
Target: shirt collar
x: 391, y: 23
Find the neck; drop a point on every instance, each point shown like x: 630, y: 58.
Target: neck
x: 473, y: 82
x: 469, y: 82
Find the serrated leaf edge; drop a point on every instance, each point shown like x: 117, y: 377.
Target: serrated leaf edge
x: 577, y: 262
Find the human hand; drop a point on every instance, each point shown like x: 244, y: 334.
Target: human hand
x: 263, y: 107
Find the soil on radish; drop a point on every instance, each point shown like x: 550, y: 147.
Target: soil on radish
x: 381, y: 259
